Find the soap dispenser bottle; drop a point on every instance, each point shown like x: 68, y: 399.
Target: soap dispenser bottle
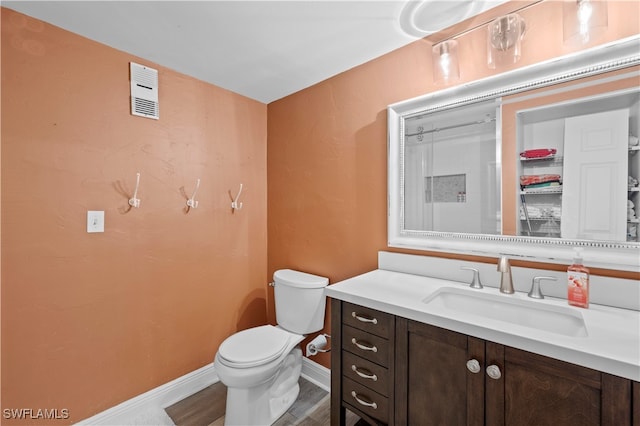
x: 578, y: 281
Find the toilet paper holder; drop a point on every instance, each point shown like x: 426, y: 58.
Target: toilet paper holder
x: 318, y: 344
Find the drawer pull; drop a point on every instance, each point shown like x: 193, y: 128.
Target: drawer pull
x: 367, y: 375
x: 363, y: 347
x: 365, y: 403
x: 363, y: 319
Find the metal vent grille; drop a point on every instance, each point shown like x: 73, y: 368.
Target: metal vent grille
x: 145, y: 108
x: 144, y: 91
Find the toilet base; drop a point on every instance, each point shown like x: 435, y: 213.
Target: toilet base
x: 265, y: 403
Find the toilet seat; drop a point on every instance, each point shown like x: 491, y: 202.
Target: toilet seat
x: 255, y: 346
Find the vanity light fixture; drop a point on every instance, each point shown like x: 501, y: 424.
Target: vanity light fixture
x: 504, y: 37
x: 582, y: 19
x: 445, y: 62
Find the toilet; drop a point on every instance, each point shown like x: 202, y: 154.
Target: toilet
x: 261, y: 365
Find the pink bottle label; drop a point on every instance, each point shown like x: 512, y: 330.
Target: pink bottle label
x: 578, y: 289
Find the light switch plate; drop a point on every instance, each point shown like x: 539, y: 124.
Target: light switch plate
x: 95, y: 221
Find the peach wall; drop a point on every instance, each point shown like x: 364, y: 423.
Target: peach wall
x: 326, y: 157
x: 91, y: 320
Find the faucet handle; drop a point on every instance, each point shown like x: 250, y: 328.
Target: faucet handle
x: 535, y: 292
x: 476, y: 277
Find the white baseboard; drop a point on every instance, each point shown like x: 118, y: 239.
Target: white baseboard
x: 316, y: 374
x: 156, y: 399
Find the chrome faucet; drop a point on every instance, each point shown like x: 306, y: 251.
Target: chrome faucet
x: 506, y: 283
x: 535, y: 292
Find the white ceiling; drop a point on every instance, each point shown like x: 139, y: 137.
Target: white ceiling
x: 263, y: 49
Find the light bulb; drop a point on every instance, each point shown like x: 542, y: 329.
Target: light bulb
x: 445, y: 64
x: 585, y: 10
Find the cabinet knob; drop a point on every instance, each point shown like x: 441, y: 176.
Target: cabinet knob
x: 473, y: 365
x: 493, y: 371
x: 363, y: 319
x: 364, y: 347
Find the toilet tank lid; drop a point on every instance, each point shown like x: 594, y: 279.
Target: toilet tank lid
x: 299, y: 279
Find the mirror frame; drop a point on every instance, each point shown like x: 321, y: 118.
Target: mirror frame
x: 613, y: 56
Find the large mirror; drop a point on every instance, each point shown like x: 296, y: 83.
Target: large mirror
x: 528, y: 164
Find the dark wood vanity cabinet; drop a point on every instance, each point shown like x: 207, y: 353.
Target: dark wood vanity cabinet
x: 363, y: 382
x: 444, y: 377
x: 426, y: 375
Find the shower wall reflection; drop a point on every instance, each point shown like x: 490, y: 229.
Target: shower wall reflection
x: 452, y: 171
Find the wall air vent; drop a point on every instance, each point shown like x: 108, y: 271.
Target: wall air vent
x: 144, y: 91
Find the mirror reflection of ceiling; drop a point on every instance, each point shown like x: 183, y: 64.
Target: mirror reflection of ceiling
x: 264, y: 50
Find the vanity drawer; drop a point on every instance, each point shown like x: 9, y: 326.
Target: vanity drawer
x: 365, y: 400
x: 367, y: 319
x: 367, y: 373
x: 366, y: 345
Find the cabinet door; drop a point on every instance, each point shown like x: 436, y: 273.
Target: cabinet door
x: 433, y: 384
x: 542, y: 391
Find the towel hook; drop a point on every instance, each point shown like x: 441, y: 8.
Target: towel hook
x: 234, y: 203
x: 135, y: 202
x: 191, y: 202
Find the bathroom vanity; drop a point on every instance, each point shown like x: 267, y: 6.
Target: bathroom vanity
x: 411, y: 349
x: 526, y: 164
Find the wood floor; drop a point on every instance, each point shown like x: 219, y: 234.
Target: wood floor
x: 206, y: 408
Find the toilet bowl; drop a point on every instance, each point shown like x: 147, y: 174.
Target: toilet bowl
x: 261, y: 366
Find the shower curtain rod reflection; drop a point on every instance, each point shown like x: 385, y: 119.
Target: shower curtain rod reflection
x: 455, y: 126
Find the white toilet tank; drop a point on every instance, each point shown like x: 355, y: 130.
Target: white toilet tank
x: 300, y: 301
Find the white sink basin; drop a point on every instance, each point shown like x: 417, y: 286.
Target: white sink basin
x: 510, y: 309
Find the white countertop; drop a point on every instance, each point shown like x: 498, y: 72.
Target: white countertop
x: 612, y: 343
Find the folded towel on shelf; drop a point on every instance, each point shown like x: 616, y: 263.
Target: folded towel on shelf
x: 538, y: 153
x: 527, y: 180
x: 541, y: 212
x: 534, y: 212
x: 545, y: 185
